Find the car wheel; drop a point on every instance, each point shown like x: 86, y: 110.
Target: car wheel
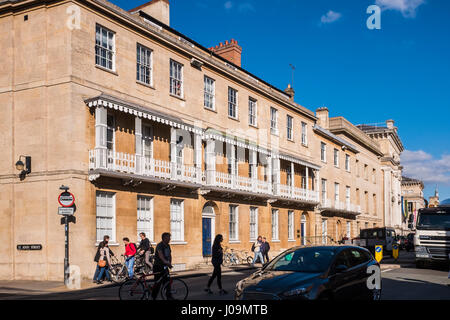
x: 420, y: 264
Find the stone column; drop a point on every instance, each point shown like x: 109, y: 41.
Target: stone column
x: 276, y: 175
x: 211, y: 162
x: 139, y: 165
x: 173, y: 153
x: 198, y: 157
x: 292, y: 179
x: 308, y: 195
x: 101, y: 116
x: 253, y: 155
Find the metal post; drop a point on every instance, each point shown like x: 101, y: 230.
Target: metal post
x: 66, y: 258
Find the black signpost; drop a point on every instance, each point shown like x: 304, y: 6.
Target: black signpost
x: 67, y: 200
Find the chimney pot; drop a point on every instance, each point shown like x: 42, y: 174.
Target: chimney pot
x: 231, y: 51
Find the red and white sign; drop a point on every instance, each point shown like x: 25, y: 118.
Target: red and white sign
x: 66, y: 199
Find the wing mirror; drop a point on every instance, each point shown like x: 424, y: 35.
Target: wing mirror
x: 340, y: 268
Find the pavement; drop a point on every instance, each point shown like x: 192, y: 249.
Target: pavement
x: 31, y: 287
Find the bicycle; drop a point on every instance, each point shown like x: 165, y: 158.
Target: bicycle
x: 142, y: 287
x: 245, y: 257
x: 118, y: 271
x: 230, y: 258
x: 140, y: 267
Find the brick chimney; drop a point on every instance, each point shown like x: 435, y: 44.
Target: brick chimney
x: 323, y: 116
x: 230, y: 51
x: 158, y: 9
x: 290, y: 91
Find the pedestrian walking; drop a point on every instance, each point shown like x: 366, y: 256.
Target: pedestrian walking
x: 216, y: 260
x: 256, y: 248
x: 97, y: 257
x: 130, y: 251
x: 163, y: 258
x: 145, y: 248
x: 104, y: 261
x: 265, y: 249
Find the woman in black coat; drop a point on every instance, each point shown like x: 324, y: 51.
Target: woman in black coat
x: 216, y: 260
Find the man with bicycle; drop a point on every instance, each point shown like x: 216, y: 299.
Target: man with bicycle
x: 145, y: 248
x: 163, y: 259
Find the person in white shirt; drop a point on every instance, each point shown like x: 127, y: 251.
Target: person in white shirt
x: 256, y: 248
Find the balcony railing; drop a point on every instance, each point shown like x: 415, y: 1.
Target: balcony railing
x: 134, y: 164
x: 297, y: 193
x: 229, y: 181
x: 338, y: 205
x: 130, y: 163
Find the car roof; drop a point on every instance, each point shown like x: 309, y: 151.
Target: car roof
x: 329, y: 246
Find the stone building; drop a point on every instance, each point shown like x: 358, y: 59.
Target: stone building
x: 153, y: 132
x: 412, y: 195
x: 386, y: 135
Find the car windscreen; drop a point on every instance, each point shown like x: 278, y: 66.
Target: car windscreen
x: 314, y: 260
x: 433, y: 221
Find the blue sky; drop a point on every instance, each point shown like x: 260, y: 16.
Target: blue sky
x: 400, y: 72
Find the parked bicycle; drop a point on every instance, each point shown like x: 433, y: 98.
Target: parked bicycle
x: 142, y: 287
x: 230, y: 257
x: 245, y: 257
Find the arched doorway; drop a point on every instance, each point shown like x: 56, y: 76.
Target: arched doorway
x: 208, y: 228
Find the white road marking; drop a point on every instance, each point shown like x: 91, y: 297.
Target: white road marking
x: 387, y: 270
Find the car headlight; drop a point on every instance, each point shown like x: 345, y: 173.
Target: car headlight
x: 297, y: 291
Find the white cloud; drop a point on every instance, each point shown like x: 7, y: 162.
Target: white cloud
x: 330, y: 17
x: 406, y: 7
x: 228, y: 5
x: 422, y: 165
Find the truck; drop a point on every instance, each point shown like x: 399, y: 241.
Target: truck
x: 369, y: 238
x: 432, y: 237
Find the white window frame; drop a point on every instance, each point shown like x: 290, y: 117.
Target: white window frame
x: 347, y: 195
x: 304, y: 134
x: 106, y: 217
x: 209, y: 93
x: 144, y: 64
x: 336, y: 158
x: 233, y: 104
x: 146, y: 138
x: 347, y: 162
x: 233, y: 210
x: 253, y: 224
x: 324, y: 189
x: 336, y: 192
x: 291, y: 221
x: 174, y: 220
x: 273, y: 121
x: 349, y: 230
x: 176, y: 75
x: 144, y: 211
x: 252, y: 112
x: 109, y: 49
x: 111, y: 128
x: 324, y: 231
x: 290, y: 127
x: 275, y: 225
x: 323, y: 152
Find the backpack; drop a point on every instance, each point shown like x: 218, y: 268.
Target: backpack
x: 253, y: 247
x: 134, y: 245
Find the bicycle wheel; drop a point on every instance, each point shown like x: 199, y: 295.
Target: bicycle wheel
x: 118, y: 273
x: 226, y: 261
x: 132, y: 290
x: 178, y: 290
x: 249, y: 260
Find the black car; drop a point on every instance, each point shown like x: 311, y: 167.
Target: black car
x: 318, y: 272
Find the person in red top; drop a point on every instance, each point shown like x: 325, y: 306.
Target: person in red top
x: 130, y: 251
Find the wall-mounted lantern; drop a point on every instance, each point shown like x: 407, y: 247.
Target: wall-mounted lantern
x: 24, y: 168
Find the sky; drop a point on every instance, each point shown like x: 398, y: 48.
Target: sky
x: 400, y: 71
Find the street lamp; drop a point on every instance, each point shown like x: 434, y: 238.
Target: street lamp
x: 24, y: 168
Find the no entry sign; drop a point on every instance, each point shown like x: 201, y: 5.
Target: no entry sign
x: 66, y: 199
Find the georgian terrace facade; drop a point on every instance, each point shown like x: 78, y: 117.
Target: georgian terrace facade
x: 151, y: 132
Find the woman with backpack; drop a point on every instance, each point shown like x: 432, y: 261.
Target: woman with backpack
x: 104, y: 261
x: 130, y: 251
x: 217, y: 259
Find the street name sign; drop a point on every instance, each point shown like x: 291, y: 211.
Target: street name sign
x: 29, y: 247
x: 65, y: 211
